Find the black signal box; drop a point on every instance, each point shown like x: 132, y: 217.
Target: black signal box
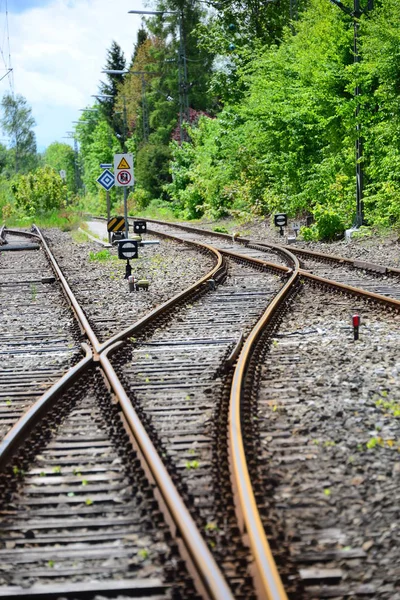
x: 139, y: 226
x: 280, y: 220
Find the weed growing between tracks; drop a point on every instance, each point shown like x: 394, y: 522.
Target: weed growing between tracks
x: 101, y: 256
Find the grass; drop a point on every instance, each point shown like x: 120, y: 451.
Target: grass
x: 157, y: 209
x: 78, y: 236
x: 64, y: 220
x: 101, y: 256
x: 389, y: 406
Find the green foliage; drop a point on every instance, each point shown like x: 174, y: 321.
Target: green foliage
x: 17, y: 122
x: 62, y: 157
x: 152, y: 168
x: 391, y: 407
x: 139, y: 200
x: 39, y: 192
x: 288, y: 143
x: 101, y: 256
x: 115, y: 61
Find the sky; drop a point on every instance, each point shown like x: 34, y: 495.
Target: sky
x: 58, y: 50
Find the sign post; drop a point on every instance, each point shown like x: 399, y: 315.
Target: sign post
x: 123, y: 169
x: 280, y: 220
x: 107, y: 181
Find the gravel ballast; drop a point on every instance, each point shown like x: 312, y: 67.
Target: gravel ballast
x: 328, y: 415
x: 103, y: 292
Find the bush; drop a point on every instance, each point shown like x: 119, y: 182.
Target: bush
x: 40, y: 191
x: 329, y: 226
x: 152, y: 169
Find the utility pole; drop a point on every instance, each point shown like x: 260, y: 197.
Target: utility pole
x: 356, y: 14
x: 184, y: 114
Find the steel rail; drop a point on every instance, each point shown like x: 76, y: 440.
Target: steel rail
x: 226, y: 236
x: 304, y: 273
x: 21, y: 233
x: 351, y: 262
x: 208, y: 578
x: 80, y: 315
x: 266, y: 577
x: 349, y: 289
x: 267, y: 581
x: 24, y: 426
x: 216, y: 272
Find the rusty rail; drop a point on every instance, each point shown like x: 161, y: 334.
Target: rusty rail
x: 216, y: 272
x: 208, y: 578
x: 350, y: 262
x: 267, y: 581
x: 24, y: 426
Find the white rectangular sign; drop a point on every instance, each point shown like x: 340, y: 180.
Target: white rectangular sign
x: 123, y: 170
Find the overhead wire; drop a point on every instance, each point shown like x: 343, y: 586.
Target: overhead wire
x: 5, y: 45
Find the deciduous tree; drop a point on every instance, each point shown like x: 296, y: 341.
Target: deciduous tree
x: 17, y: 122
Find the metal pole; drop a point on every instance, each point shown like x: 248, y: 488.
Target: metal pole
x: 144, y: 110
x: 356, y: 14
x: 77, y: 182
x: 358, y: 145
x: 183, y: 84
x: 126, y: 212
x: 124, y: 145
x: 108, y: 211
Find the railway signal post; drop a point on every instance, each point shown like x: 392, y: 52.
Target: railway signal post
x: 127, y: 250
x: 123, y: 171
x: 280, y: 220
x: 107, y: 181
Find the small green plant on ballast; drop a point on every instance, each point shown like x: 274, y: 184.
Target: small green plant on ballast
x: 100, y: 256
x: 220, y: 229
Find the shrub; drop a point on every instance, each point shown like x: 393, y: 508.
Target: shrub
x: 152, y: 169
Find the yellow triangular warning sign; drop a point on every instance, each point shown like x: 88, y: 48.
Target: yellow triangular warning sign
x: 123, y: 164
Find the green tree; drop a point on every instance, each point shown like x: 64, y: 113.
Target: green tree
x: 17, y: 122
x: 379, y: 75
x: 98, y: 144
x: 288, y: 144
x: 152, y: 168
x: 115, y: 61
x: 6, y: 162
x: 39, y: 191
x: 62, y: 157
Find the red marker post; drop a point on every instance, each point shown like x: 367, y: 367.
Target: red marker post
x: 356, y: 325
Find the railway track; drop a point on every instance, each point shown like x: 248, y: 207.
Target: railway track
x: 365, y: 275
x: 327, y: 442
x: 314, y: 415
x: 51, y: 437
x: 39, y: 339
x: 174, y: 404
x: 96, y: 277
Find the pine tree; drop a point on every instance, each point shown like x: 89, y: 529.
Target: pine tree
x: 140, y: 39
x: 115, y: 61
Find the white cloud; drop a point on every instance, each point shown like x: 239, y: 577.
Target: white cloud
x: 58, y: 52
